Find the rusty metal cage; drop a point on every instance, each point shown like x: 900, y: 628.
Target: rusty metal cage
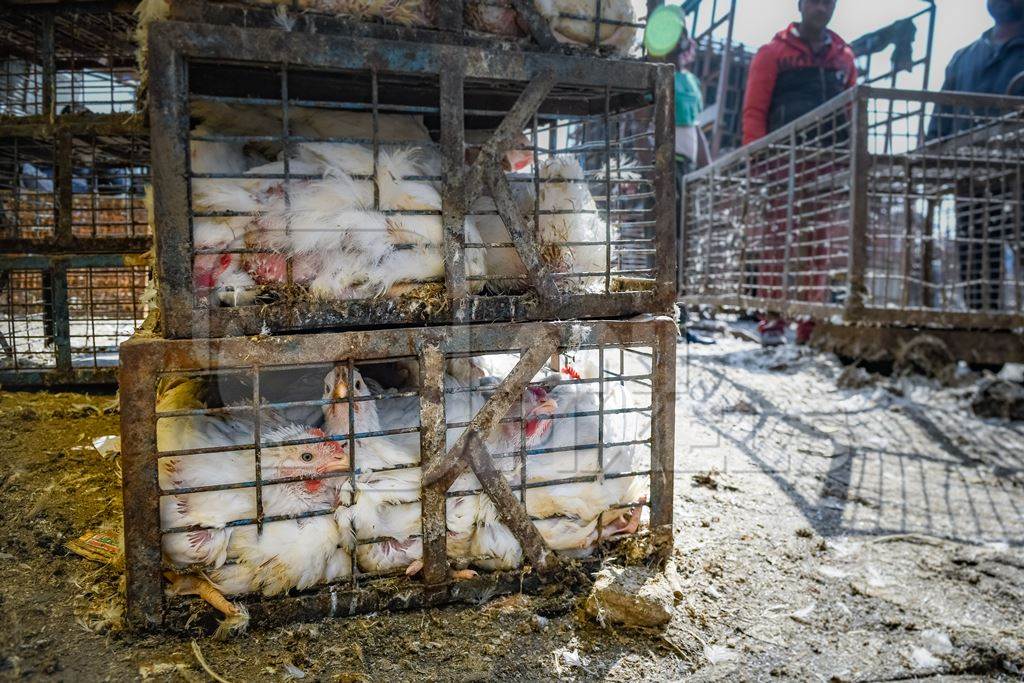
x: 74, y: 187
x: 507, y: 423
x: 605, y: 27
x: 414, y: 138
x: 882, y: 206
x: 62, y: 318
x: 57, y: 59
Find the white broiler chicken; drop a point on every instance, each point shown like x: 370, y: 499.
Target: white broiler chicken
x: 208, y: 538
x: 587, y: 501
x: 581, y: 224
x: 613, y: 31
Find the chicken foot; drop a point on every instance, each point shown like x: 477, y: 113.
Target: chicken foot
x: 628, y: 522
x: 459, y: 574
x: 188, y: 584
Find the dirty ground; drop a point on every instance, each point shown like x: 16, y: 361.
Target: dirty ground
x: 861, y: 534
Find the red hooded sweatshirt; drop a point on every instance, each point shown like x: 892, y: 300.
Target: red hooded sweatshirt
x: 787, y: 80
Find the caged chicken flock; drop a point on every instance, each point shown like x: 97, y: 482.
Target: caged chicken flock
x: 340, y: 488
x: 353, y: 210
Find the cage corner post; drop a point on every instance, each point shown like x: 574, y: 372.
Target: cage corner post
x: 168, y: 117
x: 860, y: 162
x: 140, y: 490
x: 667, y: 267
x: 454, y: 203
x: 663, y: 453
x: 433, y: 433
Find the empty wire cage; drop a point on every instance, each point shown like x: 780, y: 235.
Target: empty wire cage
x: 386, y: 454
x: 75, y: 188
x: 367, y: 183
x: 63, y: 318
x: 62, y: 60
x: 885, y: 206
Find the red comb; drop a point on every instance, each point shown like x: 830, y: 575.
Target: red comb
x: 571, y: 371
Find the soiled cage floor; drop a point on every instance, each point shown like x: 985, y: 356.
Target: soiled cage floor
x: 792, y: 574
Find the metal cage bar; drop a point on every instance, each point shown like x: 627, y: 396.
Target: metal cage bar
x: 63, y: 317
x: 904, y: 205
x: 500, y: 91
x: 74, y: 187
x: 231, y: 364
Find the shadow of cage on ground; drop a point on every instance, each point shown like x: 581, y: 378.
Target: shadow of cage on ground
x: 864, y: 462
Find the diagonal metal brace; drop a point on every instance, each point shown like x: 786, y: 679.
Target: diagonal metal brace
x: 510, y: 510
x: 539, y: 27
x: 539, y: 272
x: 446, y: 470
x: 504, y: 136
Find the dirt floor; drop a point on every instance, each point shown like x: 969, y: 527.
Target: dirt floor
x: 822, y: 534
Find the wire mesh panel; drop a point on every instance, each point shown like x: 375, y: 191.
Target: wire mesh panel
x: 62, y: 318
x: 332, y: 192
x: 77, y: 188
x: 889, y: 206
x: 66, y: 60
x: 105, y: 307
x: 28, y: 325
x: 349, y: 444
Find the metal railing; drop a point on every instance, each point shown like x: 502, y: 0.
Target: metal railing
x: 883, y: 206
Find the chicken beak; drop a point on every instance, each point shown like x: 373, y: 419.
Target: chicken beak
x: 334, y: 466
x: 537, y: 428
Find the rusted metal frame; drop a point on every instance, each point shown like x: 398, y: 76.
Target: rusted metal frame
x: 221, y: 321
x: 510, y: 510
x: 663, y: 398
x: 433, y: 433
x: 927, y: 255
x: 169, y: 121
x: 789, y: 308
x: 723, y: 83
x: 61, y: 316
x: 860, y: 162
x: 908, y: 234
x: 539, y: 274
x: 140, y: 490
x: 530, y: 100
x: 538, y: 26
x: 963, y: 320
x: 454, y: 463
x: 48, y: 48
x: 454, y: 203
x: 486, y: 169
x: 314, y: 50
x: 63, y: 191
x: 790, y: 217
x: 665, y: 290
x: 144, y: 358
x: 97, y: 124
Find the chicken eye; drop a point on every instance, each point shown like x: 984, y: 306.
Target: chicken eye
x: 359, y: 384
x: 306, y: 457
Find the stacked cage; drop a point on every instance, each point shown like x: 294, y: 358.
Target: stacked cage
x: 399, y: 361
x: 73, y: 168
x: 885, y: 207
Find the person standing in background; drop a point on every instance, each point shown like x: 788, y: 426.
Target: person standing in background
x: 802, y: 68
x: 691, y: 145
x: 988, y: 209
